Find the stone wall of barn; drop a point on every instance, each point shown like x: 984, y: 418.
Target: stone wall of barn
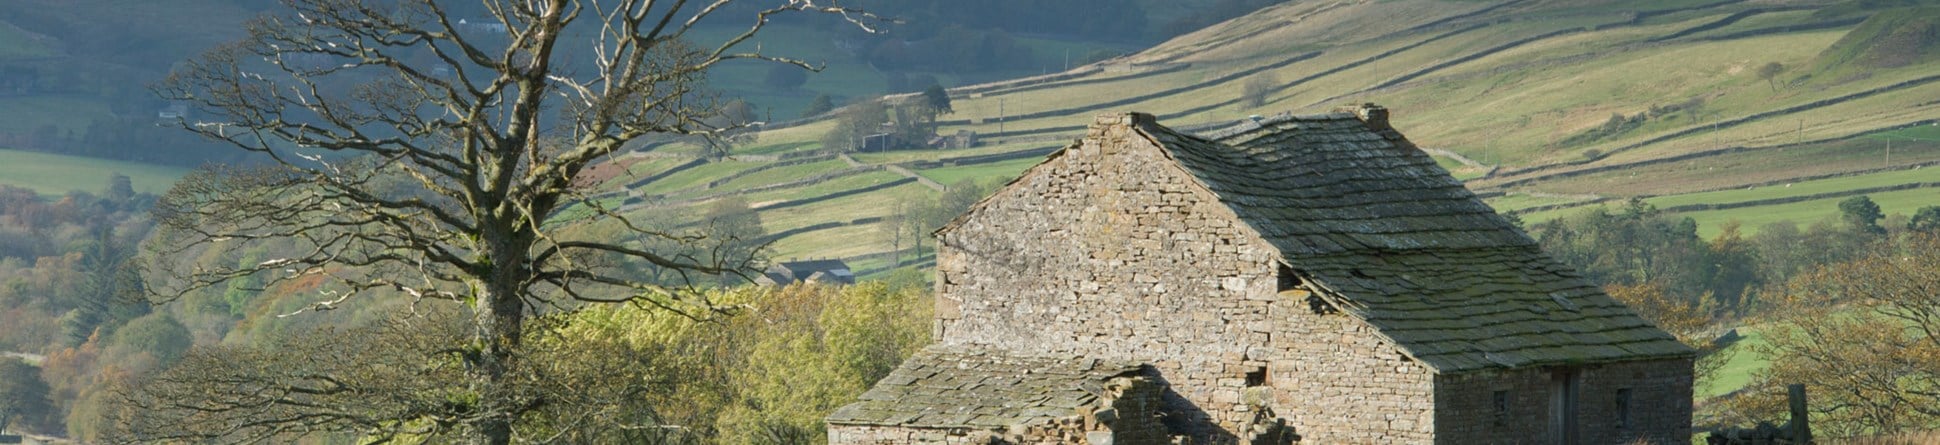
x: 1110, y: 250
x: 1618, y: 403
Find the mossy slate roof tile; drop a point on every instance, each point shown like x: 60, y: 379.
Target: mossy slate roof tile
x: 1361, y: 213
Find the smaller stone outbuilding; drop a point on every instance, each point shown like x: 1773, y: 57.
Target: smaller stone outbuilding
x: 970, y: 395
x: 825, y: 271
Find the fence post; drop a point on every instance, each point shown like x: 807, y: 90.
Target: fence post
x: 1801, y: 429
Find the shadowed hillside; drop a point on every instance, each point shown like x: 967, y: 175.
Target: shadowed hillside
x: 1904, y: 37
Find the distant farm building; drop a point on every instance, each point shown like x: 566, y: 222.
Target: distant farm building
x: 962, y: 139
x: 880, y: 142
x: 825, y: 271
x: 1297, y: 279
x: 173, y: 112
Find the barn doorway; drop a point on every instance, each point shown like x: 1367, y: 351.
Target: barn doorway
x: 1563, y: 388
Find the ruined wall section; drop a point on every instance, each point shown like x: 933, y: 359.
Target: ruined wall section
x: 1110, y: 250
x: 1130, y: 416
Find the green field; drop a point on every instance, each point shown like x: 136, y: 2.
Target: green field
x: 784, y: 174
x: 694, y: 177
x: 993, y: 171
x: 1519, y: 201
x: 1805, y: 213
x: 52, y: 174
x: 1929, y: 132
x: 1736, y: 373
x: 1800, y: 188
x: 833, y: 185
x: 15, y: 42
x: 637, y: 169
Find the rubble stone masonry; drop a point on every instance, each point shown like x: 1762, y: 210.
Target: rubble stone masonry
x: 1338, y: 382
x: 1616, y: 403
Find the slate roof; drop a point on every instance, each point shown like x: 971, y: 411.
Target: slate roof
x: 1372, y: 221
x: 972, y: 387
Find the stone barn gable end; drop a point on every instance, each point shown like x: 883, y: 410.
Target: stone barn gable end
x: 1293, y: 279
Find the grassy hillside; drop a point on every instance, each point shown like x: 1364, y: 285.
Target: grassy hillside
x: 1907, y: 37
x: 1557, y: 104
x: 1545, y: 107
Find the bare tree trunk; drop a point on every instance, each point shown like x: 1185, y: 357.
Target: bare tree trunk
x: 499, y: 322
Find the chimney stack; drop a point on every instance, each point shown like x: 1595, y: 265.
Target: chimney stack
x: 1375, y: 116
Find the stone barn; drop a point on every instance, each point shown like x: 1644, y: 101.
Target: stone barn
x: 1297, y: 279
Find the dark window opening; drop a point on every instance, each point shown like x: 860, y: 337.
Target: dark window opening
x: 1256, y: 377
x: 1288, y: 278
x: 1319, y: 305
x: 1623, y: 408
x: 1502, y: 408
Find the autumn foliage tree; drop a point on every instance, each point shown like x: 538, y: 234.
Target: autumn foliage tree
x: 1862, y: 336
x: 413, y: 151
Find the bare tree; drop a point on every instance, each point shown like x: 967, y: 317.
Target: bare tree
x: 422, y: 153
x: 855, y: 122
x: 1254, y: 92
x: 897, y: 223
